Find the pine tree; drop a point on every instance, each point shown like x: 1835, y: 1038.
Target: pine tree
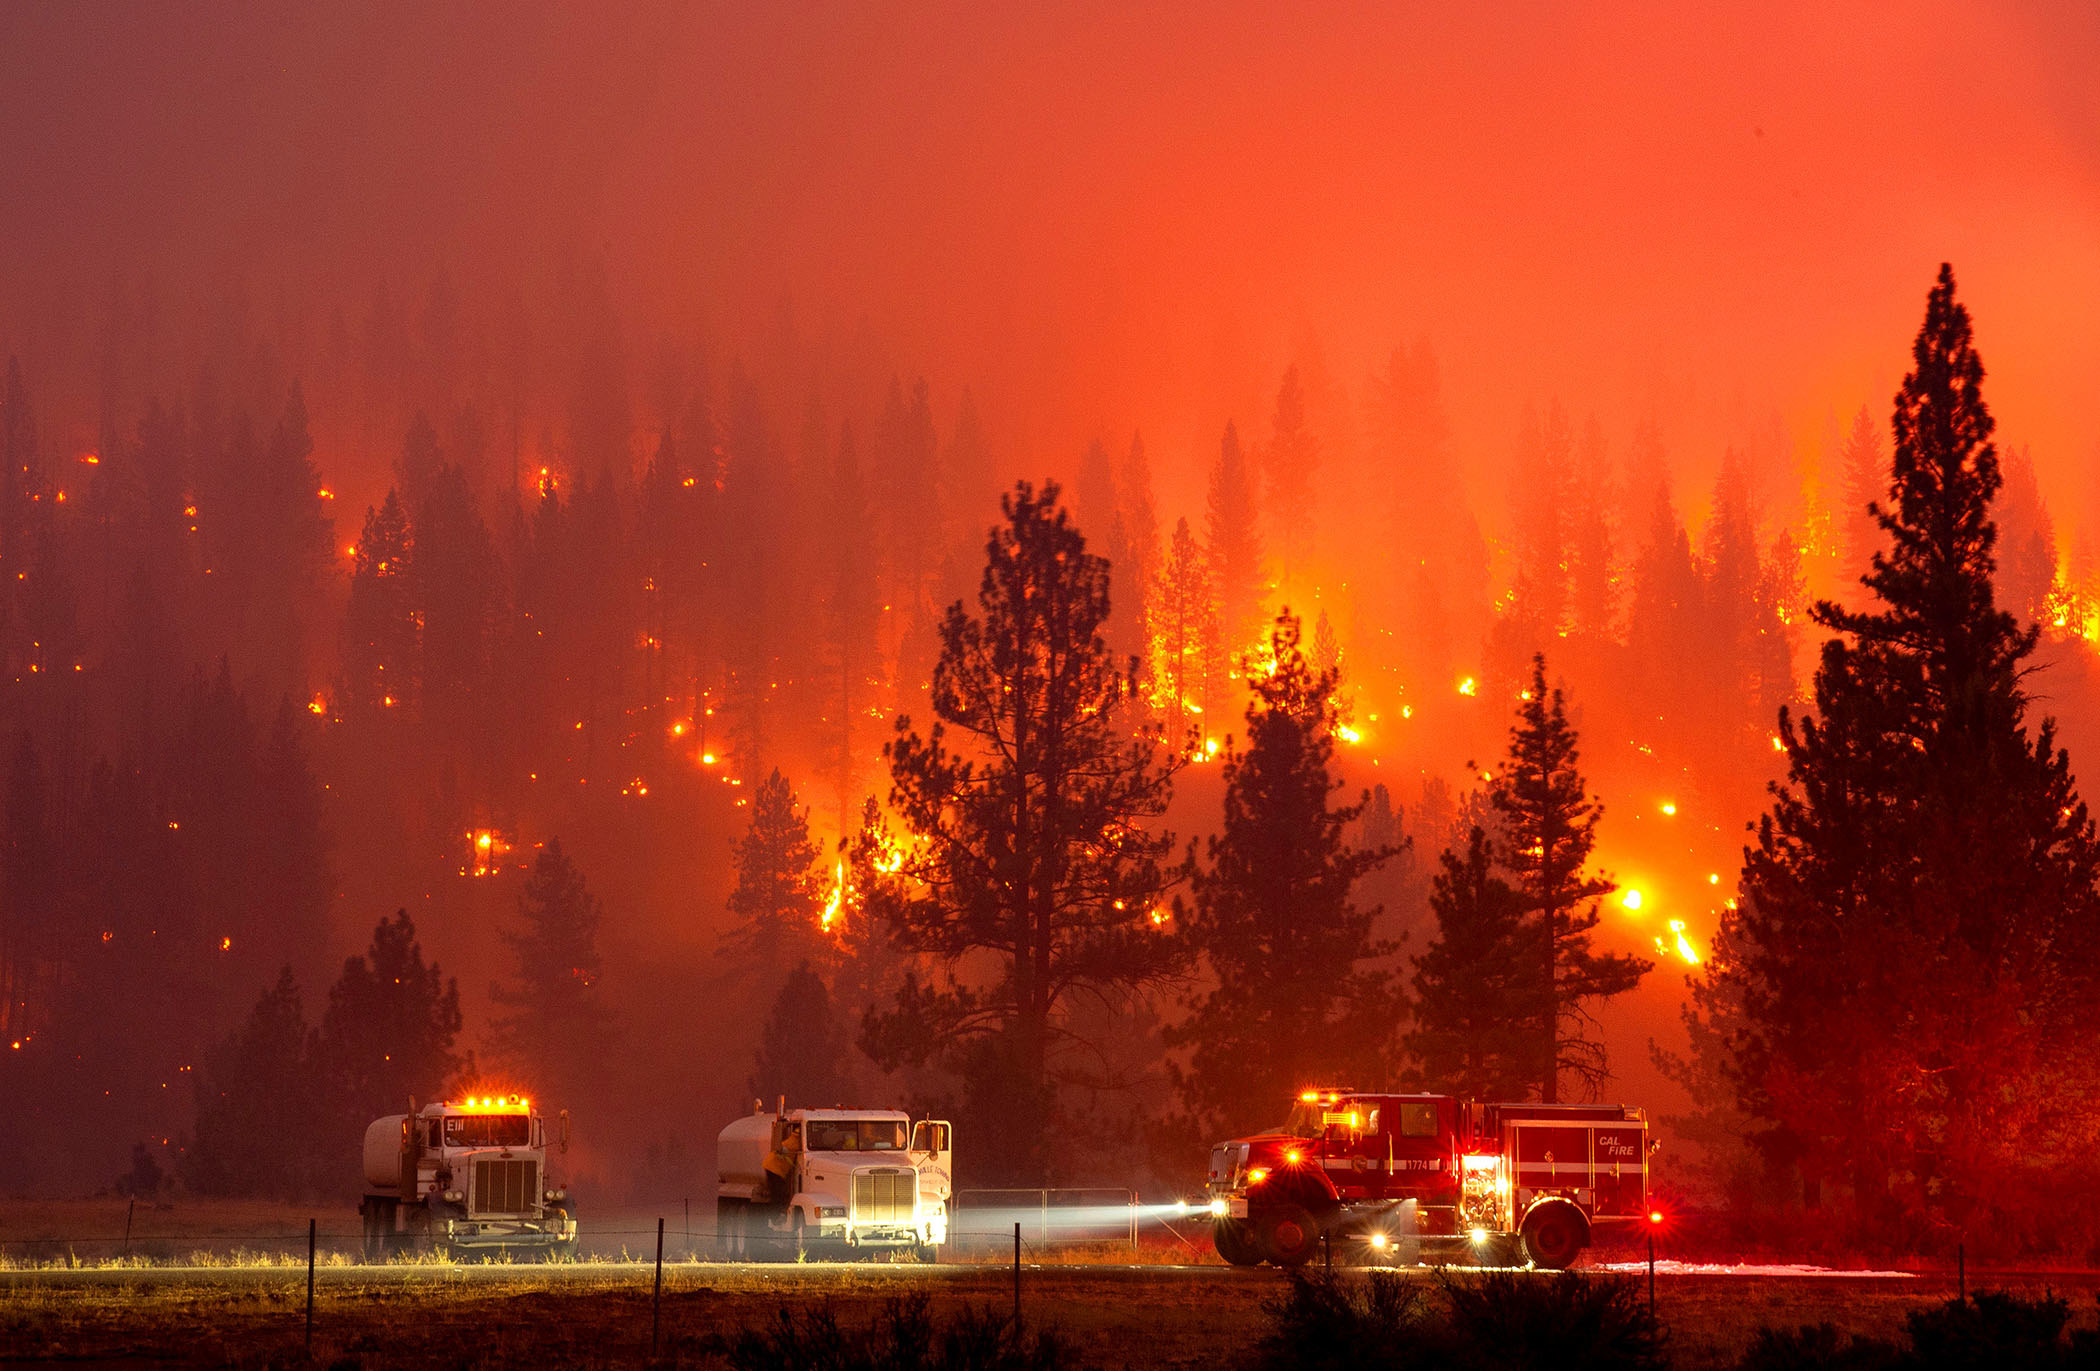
x: 1184, y: 621
x: 553, y: 1022
x: 1295, y: 999
x: 258, y: 1083
x: 1233, y: 541
x: 1917, y: 938
x: 1140, y: 515
x: 1863, y: 478
x: 1541, y: 503
x: 1593, y: 581
x: 852, y: 625
x: 387, y: 1033
x: 294, y: 881
x: 779, y: 892
x: 803, y: 1049
x: 1549, y: 826
x: 1026, y: 872
x: 379, y: 626
x: 1290, y: 468
x: 1477, y: 994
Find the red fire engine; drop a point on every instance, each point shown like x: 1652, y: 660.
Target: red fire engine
x: 1378, y: 1174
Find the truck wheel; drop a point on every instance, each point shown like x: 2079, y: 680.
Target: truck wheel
x: 1235, y: 1242
x: 1289, y: 1235
x: 1553, y: 1238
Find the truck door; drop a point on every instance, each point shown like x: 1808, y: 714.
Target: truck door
x: 935, y: 1140
x: 1418, y: 1138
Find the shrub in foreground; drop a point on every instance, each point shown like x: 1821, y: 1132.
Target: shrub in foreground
x: 902, y: 1337
x: 1497, y: 1321
x: 1989, y: 1331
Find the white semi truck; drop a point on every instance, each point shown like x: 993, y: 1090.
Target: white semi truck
x: 832, y: 1182
x: 466, y: 1176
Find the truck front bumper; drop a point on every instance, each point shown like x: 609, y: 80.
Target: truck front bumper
x: 492, y: 1234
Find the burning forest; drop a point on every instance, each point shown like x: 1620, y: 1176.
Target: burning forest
x: 866, y: 558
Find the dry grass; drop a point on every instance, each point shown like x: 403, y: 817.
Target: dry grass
x: 1189, y: 1318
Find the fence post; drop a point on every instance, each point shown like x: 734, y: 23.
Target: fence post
x: 1017, y: 1275
x: 656, y: 1304
x: 129, y: 1205
x: 1043, y: 1228
x: 312, y: 1233
x: 1133, y: 1223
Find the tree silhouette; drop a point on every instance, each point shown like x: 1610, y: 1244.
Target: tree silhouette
x: 1294, y: 999
x: 1477, y: 995
x: 1184, y: 627
x: 803, y: 1049
x: 1549, y: 826
x: 1026, y: 873
x: 258, y: 1085
x: 1232, y: 538
x: 553, y: 1020
x: 1916, y: 943
x: 379, y: 626
x: 779, y: 893
x: 1290, y: 469
x: 387, y: 1033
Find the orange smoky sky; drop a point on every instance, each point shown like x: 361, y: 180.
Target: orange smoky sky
x: 1107, y: 217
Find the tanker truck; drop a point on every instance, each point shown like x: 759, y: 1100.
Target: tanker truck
x: 832, y: 1183
x: 466, y: 1176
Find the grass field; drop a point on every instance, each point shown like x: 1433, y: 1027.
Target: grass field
x: 223, y: 1284
x: 599, y: 1316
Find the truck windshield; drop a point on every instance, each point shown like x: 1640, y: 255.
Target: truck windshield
x: 856, y: 1135
x: 1304, y: 1121
x: 488, y: 1130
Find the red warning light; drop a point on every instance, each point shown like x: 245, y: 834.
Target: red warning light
x: 1655, y: 1216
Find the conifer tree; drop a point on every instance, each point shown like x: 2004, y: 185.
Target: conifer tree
x: 1863, y: 479
x: 1140, y: 514
x: 1549, y: 826
x: 1232, y: 535
x: 379, y: 625
x: 1294, y: 998
x: 1477, y: 995
x: 553, y: 1020
x: 387, y: 1033
x: 1915, y: 968
x: 1027, y: 871
x: 852, y: 619
x: 258, y: 1083
x: 779, y: 890
x: 1290, y: 469
x: 1184, y: 618
x: 803, y: 1048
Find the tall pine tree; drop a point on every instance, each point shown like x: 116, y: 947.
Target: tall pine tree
x: 1295, y: 997
x: 1549, y: 826
x: 1028, y: 871
x: 1914, y: 981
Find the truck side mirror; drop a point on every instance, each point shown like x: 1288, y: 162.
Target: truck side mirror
x: 565, y: 1131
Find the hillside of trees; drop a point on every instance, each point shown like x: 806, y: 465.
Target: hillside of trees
x: 640, y: 682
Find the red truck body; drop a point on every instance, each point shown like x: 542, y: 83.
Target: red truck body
x: 1385, y: 1174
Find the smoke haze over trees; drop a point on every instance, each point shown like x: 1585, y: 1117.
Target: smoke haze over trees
x: 432, y: 448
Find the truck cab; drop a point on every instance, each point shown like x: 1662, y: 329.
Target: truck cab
x: 1389, y: 1175
x: 468, y: 1175
x: 838, y: 1182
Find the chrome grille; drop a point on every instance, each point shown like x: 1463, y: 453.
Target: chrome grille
x: 886, y: 1196
x: 505, y: 1186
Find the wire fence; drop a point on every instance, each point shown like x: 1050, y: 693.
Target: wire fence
x: 981, y: 1227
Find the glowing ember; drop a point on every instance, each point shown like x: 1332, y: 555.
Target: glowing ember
x: 1631, y: 899
x: 1469, y: 686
